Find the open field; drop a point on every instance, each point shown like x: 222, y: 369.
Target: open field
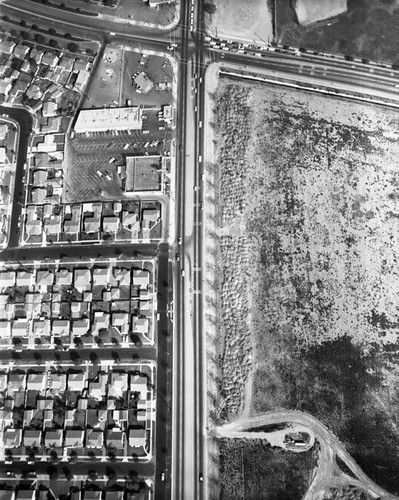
x: 250, y: 20
x: 367, y: 30
x: 308, y: 238
x: 252, y: 470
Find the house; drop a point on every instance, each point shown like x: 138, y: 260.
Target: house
x: 12, y: 438
x: 24, y: 278
x: 137, y: 438
x: 41, y: 327
x: 121, y: 322
x: 44, y: 278
x: 33, y: 227
x: 7, y: 417
x: 76, y: 382
x: 52, y: 225
x: 79, y: 309
x: 3, y: 382
x: 122, y: 276
x: 38, y: 195
x: 141, y: 278
x: 48, y: 416
x: 36, y: 382
x: 141, y: 415
x: 21, y: 50
x: 49, y: 109
x: 16, y: 382
x: 4, y: 329
x: 114, y: 438
x: 100, y: 276
x: 94, y: 438
x: 7, y: 279
x: 61, y: 327
x: 139, y: 384
x: 141, y: 325
x: 32, y: 438
x: 97, y: 388
x: 7, y: 46
x: 63, y: 277
x: 69, y: 418
x: 57, y: 382
x: 19, y: 327
x: 28, y: 494
x: 118, y: 384
x: 91, y: 225
x: 71, y: 226
x: 53, y: 438
x: 111, y: 224
x: 100, y: 321
x: 143, y: 83
x: 74, y: 438
x: 45, y: 404
x: 92, y: 494
x: 80, y: 326
x: 49, y: 59
x: 130, y: 220
x: 120, y: 417
x: 66, y: 63
x: 7, y: 494
x: 82, y: 279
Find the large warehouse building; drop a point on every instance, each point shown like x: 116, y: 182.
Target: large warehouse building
x: 101, y: 120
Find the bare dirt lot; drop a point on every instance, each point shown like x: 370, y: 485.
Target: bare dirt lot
x: 367, y: 30
x: 307, y: 264
x: 238, y: 20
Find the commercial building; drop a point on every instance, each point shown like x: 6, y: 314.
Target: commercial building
x: 143, y: 173
x: 104, y: 119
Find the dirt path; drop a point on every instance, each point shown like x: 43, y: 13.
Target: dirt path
x: 330, y: 448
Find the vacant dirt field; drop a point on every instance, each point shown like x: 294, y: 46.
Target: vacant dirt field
x: 308, y: 235
x: 367, y: 30
x: 237, y: 20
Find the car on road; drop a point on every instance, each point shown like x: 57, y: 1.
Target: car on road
x: 183, y: 273
x: 179, y: 241
x: 163, y: 477
x: 177, y: 257
x: 201, y: 477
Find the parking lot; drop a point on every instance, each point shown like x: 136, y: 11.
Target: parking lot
x: 89, y: 153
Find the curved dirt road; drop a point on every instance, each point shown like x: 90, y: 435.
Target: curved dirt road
x: 331, y: 448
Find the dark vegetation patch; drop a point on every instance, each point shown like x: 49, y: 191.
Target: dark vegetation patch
x: 252, y: 470
x: 368, y: 30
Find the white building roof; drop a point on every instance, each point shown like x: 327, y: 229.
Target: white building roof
x: 96, y: 120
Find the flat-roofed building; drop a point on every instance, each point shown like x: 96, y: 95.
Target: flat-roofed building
x: 101, y: 120
x: 143, y: 173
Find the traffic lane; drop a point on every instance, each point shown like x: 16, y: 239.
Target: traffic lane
x: 40, y: 356
x: 92, y: 24
x: 78, y: 253
x: 25, y: 127
x: 164, y: 373
x: 332, y: 78
x: 287, y: 61
x: 82, y: 469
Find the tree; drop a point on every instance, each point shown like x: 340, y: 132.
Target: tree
x: 209, y: 8
x: 23, y: 23
x: 52, y: 32
x: 39, y: 38
x: 73, y: 47
x: 53, y: 43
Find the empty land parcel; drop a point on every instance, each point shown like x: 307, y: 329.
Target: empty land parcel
x: 366, y: 30
x: 307, y: 263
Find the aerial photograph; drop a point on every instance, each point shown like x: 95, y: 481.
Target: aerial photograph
x: 199, y: 286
